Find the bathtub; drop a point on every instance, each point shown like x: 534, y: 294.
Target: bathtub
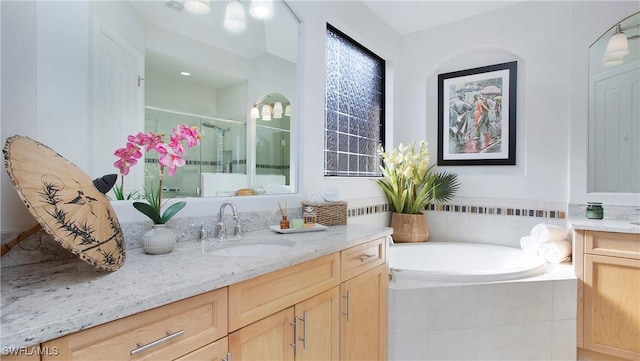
x: 467, y: 301
x: 461, y: 262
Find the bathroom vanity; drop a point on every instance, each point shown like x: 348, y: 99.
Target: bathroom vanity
x: 607, y: 262
x: 325, y: 297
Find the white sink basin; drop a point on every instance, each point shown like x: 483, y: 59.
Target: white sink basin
x: 251, y: 250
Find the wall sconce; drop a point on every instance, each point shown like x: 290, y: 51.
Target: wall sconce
x: 234, y: 19
x: 198, y: 7
x: 267, y: 111
x: 618, y: 46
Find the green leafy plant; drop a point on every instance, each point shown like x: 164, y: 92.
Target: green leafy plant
x: 119, y: 194
x: 409, y: 183
x: 153, y: 207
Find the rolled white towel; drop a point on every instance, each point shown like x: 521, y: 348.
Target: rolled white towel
x: 316, y: 197
x: 530, y: 245
x: 548, y: 232
x: 556, y: 251
x: 332, y: 194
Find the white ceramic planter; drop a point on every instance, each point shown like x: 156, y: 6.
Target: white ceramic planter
x: 158, y: 240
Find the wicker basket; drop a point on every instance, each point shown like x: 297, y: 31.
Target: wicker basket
x: 328, y: 213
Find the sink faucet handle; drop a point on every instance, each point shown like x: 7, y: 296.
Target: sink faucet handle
x: 221, y: 231
x: 202, y: 232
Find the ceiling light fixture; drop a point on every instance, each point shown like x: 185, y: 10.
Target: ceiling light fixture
x: 198, y: 7
x: 261, y: 9
x: 618, y: 46
x: 234, y: 19
x: 185, y: 73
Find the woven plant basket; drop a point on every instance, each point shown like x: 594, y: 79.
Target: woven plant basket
x: 409, y: 227
x: 328, y: 213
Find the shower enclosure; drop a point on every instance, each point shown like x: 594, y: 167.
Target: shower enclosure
x: 222, y: 150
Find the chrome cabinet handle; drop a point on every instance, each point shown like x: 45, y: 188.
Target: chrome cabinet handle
x: 142, y: 347
x: 295, y: 336
x: 304, y: 330
x: 347, y: 308
x: 228, y: 357
x: 367, y: 257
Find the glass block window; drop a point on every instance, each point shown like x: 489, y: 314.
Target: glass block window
x: 354, y: 108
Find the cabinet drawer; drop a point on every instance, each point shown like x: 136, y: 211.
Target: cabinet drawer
x: 170, y: 331
x: 216, y: 351
x: 359, y: 259
x: 613, y: 244
x: 259, y: 297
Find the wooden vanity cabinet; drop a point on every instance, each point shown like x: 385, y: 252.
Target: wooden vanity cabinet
x: 306, y: 331
x: 169, y: 332
x: 330, y: 308
x: 608, y: 269
x: 296, y: 309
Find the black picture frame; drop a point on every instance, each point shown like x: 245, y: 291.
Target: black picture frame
x: 477, y: 116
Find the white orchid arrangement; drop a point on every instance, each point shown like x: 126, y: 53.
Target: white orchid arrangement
x: 409, y: 183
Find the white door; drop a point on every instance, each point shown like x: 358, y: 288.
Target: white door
x: 118, y: 102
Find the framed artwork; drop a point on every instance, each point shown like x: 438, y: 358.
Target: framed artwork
x: 477, y: 116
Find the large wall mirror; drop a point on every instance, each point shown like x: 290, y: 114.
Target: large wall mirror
x: 207, y: 70
x: 614, y: 110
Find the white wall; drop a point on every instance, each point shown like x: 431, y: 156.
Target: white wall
x: 543, y: 93
x: 34, y: 103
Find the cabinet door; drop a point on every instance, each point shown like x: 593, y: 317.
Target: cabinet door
x: 318, y: 327
x: 268, y: 339
x: 612, y: 305
x: 363, y: 319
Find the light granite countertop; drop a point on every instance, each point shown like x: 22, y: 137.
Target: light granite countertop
x: 44, y: 301
x: 606, y: 225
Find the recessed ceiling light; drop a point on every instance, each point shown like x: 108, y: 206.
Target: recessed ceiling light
x: 185, y: 73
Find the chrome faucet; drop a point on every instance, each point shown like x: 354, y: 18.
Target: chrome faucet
x: 221, y: 229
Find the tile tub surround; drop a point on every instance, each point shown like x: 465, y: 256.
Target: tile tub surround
x: 531, y: 319
x: 47, y: 300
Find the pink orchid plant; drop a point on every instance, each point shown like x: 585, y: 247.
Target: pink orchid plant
x: 171, y: 157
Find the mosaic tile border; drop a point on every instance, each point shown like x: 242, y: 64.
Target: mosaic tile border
x: 494, y: 211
